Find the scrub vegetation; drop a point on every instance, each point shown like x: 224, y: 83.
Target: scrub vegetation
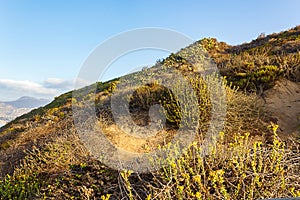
x: 42, y: 156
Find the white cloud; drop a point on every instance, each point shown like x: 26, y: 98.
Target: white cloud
x: 12, y: 89
x: 26, y: 87
x: 60, y: 84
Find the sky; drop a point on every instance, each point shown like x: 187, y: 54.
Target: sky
x: 43, y: 44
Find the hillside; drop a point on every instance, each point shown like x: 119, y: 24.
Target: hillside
x: 42, y: 156
x: 258, y: 64
x: 268, y: 66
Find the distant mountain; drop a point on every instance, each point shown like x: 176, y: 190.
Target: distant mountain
x: 27, y: 102
x: 9, y: 110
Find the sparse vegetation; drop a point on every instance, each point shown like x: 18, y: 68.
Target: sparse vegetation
x: 42, y: 156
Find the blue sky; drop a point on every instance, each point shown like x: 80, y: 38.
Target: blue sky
x: 44, y: 43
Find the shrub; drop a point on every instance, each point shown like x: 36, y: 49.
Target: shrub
x: 257, y: 80
x: 242, y: 169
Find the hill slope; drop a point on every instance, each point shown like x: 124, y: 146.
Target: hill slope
x: 44, y: 156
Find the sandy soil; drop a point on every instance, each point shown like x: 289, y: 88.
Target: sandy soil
x: 283, y: 100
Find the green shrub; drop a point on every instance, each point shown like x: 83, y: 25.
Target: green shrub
x: 241, y: 169
x: 257, y: 80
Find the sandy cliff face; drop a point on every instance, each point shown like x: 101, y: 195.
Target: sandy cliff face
x: 283, y: 100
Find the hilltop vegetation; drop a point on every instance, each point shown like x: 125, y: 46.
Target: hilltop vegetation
x: 42, y: 156
x: 257, y: 65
